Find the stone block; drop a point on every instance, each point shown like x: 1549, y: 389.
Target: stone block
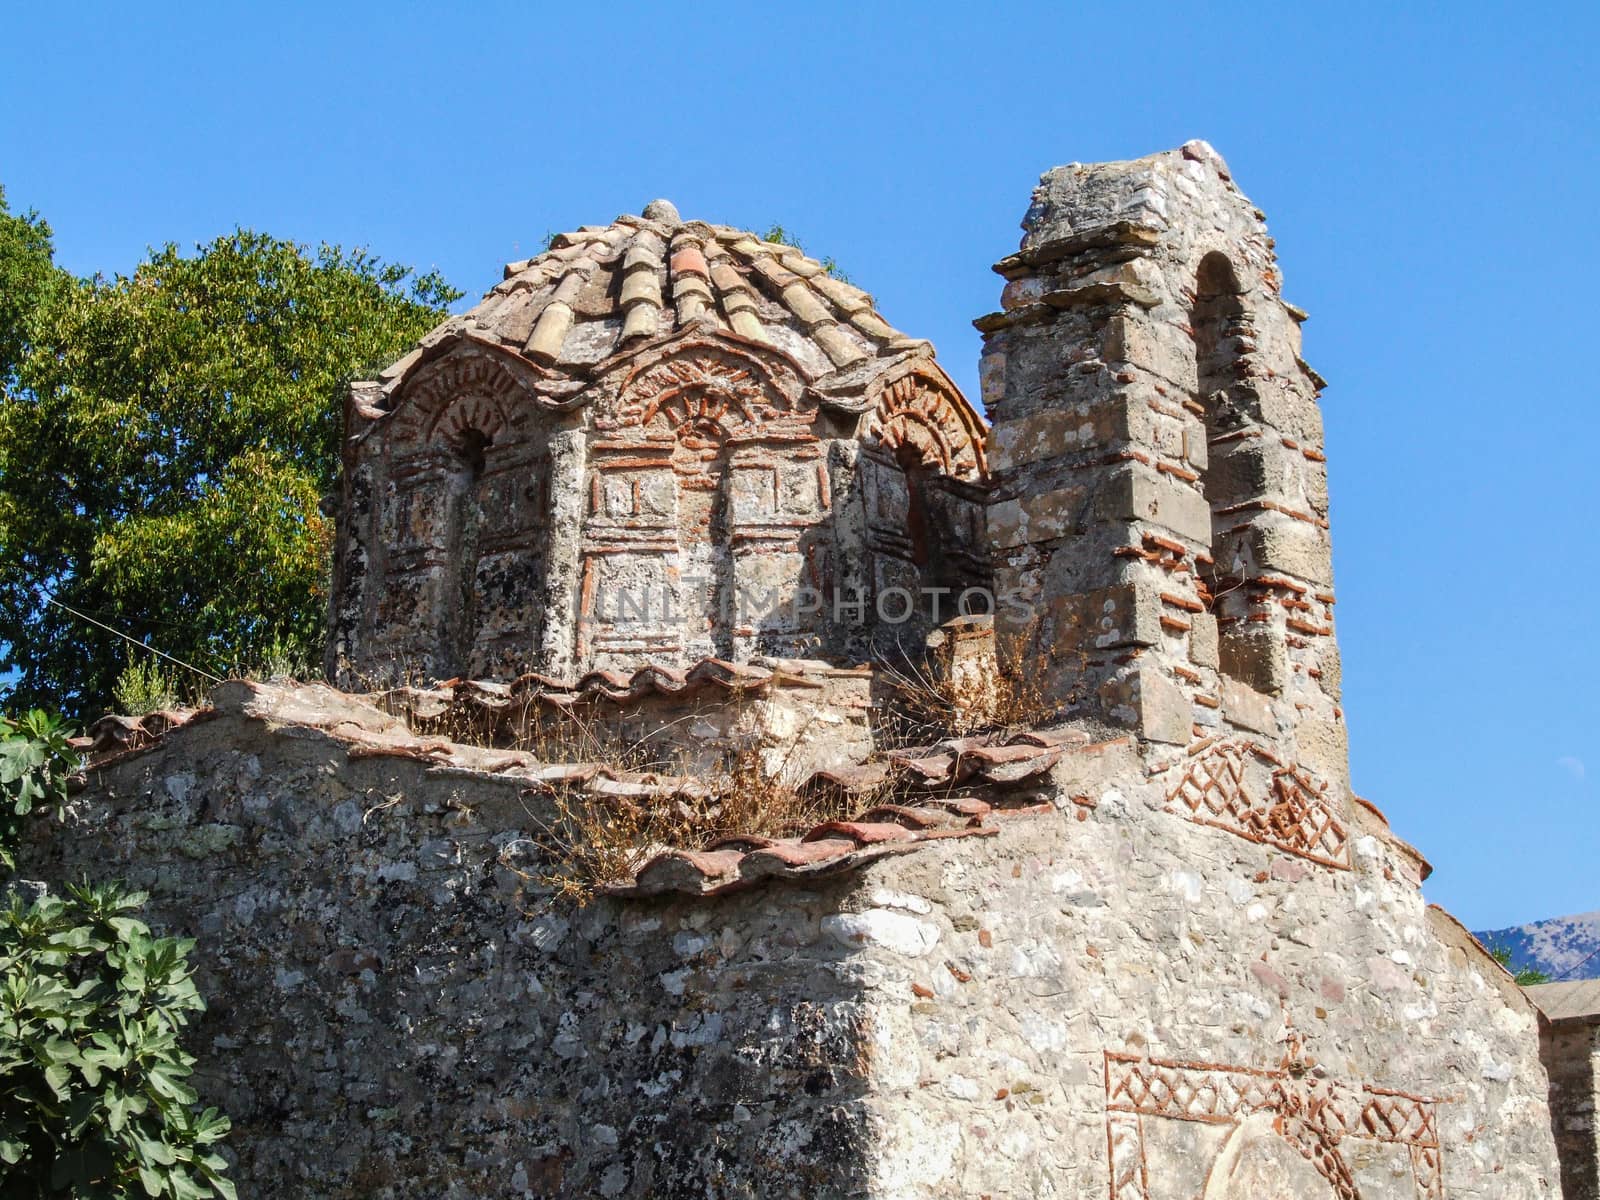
x: 1056, y: 432
x: 1256, y: 656
x: 1126, y: 614
x: 1293, y: 548
x: 1145, y: 700
x: 1035, y: 518
x: 1159, y: 347
x: 1256, y: 467
x: 1247, y: 708
x: 1324, y: 747
x: 1167, y: 437
x: 1291, y: 411
x: 992, y: 377
x: 1203, y: 648
x: 1331, y: 664
x: 1196, y: 447
x: 1140, y: 494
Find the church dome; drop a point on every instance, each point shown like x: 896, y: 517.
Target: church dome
x: 658, y: 442
x: 607, y: 290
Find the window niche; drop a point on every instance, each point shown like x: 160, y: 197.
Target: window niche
x: 465, y: 496
x: 1249, y: 650
x: 707, y: 601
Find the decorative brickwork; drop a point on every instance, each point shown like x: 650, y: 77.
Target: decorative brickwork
x: 1313, y: 1115
x: 923, y: 416
x: 1241, y: 786
x: 565, y: 479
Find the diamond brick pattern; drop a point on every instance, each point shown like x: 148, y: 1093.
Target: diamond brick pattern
x: 1314, y: 1116
x: 1241, y: 787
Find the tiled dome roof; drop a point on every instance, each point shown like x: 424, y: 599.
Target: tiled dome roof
x: 608, y: 289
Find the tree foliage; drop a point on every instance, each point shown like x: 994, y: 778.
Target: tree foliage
x: 94, y: 1094
x: 36, y: 761
x: 27, y: 278
x: 1525, y: 976
x: 166, y: 439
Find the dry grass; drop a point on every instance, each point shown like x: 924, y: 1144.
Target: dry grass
x: 752, y: 800
x: 584, y: 842
x: 589, y: 843
x: 929, y: 705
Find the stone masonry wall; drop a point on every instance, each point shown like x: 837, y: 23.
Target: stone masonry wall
x: 1107, y: 998
x: 702, y: 501
x: 392, y: 1014
x: 1161, y: 492
x: 1136, y: 1005
x: 1571, y: 1051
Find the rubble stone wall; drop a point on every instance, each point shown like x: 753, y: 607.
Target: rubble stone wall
x: 1115, y: 1000
x: 394, y: 1014
x: 1107, y: 997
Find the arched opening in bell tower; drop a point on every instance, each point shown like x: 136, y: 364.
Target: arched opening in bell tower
x: 1223, y: 338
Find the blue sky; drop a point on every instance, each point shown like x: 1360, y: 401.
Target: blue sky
x: 1429, y: 174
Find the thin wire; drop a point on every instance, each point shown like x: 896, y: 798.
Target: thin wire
x: 133, y: 640
x: 1581, y: 963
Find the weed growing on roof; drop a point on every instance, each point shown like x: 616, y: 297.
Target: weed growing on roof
x: 587, y: 843
x: 778, y: 234
x: 144, y: 687
x: 929, y: 702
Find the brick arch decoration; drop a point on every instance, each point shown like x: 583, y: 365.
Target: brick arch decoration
x: 703, y: 390
x: 474, y: 413
x: 1276, y: 1133
x: 462, y: 392
x: 918, y: 414
x: 1315, y: 1116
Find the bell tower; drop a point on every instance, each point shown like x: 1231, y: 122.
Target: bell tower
x: 1160, y: 521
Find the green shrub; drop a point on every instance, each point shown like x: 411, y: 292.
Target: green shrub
x: 143, y: 687
x: 94, y: 1093
x: 35, y: 763
x: 1526, y: 976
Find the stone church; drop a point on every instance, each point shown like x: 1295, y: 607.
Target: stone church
x: 1145, y: 945
x: 708, y: 442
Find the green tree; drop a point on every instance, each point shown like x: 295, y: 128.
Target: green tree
x: 165, y: 443
x: 94, y: 1094
x: 1526, y: 977
x: 28, y: 276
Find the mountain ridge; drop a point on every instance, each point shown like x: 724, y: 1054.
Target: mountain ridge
x: 1564, y: 948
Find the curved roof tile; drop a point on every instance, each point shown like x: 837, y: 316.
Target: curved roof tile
x: 603, y: 290
x: 928, y: 809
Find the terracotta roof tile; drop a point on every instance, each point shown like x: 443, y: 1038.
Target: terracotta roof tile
x: 828, y: 849
x: 853, y: 781
x: 116, y: 735
x: 599, y: 290
x: 736, y: 861
x: 691, y: 871
x: 865, y: 833
x: 484, y: 697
